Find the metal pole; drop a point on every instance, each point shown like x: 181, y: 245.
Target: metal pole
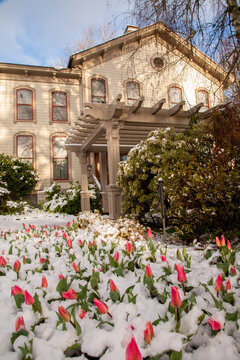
x: 160, y: 183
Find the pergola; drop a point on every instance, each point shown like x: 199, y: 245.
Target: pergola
x: 113, y: 129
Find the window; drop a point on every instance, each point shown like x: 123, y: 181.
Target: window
x: 24, y: 104
x: 25, y: 147
x: 202, y: 96
x: 98, y: 91
x: 133, y: 92
x: 59, y: 106
x: 175, y: 95
x: 60, y: 158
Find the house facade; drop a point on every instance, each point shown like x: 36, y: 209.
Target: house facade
x: 40, y: 106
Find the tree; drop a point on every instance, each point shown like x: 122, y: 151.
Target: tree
x: 211, y: 25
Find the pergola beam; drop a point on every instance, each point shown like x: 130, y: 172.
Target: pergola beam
x: 137, y: 104
x: 156, y: 107
x: 92, y: 137
x: 176, y: 108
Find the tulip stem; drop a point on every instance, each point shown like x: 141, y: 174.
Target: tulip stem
x: 177, y: 315
x: 73, y: 324
x: 109, y: 315
x: 17, y: 275
x: 183, y: 288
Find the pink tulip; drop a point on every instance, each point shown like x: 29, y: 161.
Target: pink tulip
x: 29, y: 300
x: 19, y: 323
x: 163, y: 258
x: 44, y: 282
x: 218, y: 242
x: 148, y: 272
x: 232, y: 270
x: 218, y: 284
x: 64, y: 314
x: 116, y: 257
x: 102, y: 307
x: 69, y: 243
x: 80, y: 242
x: 215, y: 325
x: 17, y: 266
x: 228, y: 285
x: 149, y: 234
x: 181, y: 274
x: 175, y: 299
x: 113, y: 287
x: 75, y: 267
x: 222, y: 240
x: 64, y: 236
x: 229, y: 246
x: 82, y: 314
x: 2, y: 261
x: 148, y: 332
x: 42, y: 260
x: 16, y: 290
x: 129, y: 248
x: 132, y: 351
x: 70, y: 294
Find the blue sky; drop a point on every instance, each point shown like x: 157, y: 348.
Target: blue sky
x: 37, y: 32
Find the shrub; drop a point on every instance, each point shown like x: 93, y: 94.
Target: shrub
x: 18, y: 176
x: 200, y: 172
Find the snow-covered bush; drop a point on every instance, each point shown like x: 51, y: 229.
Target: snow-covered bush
x: 200, y: 173
x: 68, y: 201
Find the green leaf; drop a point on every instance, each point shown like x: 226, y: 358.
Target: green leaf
x: 119, y: 271
x: 232, y: 316
x: 179, y: 256
x: 20, y: 332
x: 62, y: 286
x: 115, y: 296
x: 174, y: 355
x: 224, y: 267
x: 112, y: 262
x: 229, y: 298
x: 19, y: 300
x: 83, y: 294
x: 37, y: 304
x: 10, y: 250
x: 208, y: 254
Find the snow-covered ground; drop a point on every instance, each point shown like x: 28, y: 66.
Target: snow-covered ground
x: 81, y: 253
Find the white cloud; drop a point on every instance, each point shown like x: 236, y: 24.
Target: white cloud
x: 33, y: 31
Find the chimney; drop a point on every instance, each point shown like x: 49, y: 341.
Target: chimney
x: 130, y: 28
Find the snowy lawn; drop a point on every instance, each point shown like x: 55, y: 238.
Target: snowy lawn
x: 89, y: 288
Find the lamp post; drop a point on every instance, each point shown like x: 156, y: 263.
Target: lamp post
x: 89, y: 168
x: 160, y: 183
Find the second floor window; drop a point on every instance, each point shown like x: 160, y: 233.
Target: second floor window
x: 24, y: 104
x: 60, y: 158
x: 98, y: 91
x: 24, y: 147
x: 175, y: 95
x: 202, y: 96
x: 59, y: 106
x: 133, y: 92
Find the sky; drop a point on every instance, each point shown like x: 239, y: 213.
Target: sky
x: 36, y: 32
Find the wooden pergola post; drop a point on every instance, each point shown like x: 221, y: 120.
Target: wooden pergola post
x: 85, y: 194
x: 103, y: 180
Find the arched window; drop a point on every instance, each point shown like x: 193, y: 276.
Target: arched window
x: 133, y: 92
x: 24, y: 104
x: 59, y: 106
x: 60, y: 158
x: 24, y: 147
x: 98, y: 90
x: 175, y: 95
x: 203, y: 96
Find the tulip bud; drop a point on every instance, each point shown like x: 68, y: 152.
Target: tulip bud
x: 113, y: 287
x: 42, y: 260
x: 29, y: 300
x: 222, y: 240
x: 102, y: 307
x: 218, y: 242
x: 129, y: 248
x: 232, y: 270
x: 228, y: 285
x: 75, y: 267
x: 149, y: 233
x: 181, y: 274
x: 16, y: 290
x: 44, y: 282
x: 148, y: 332
x: 218, y: 284
x: 80, y: 242
x: 82, y: 314
x: 19, y: 323
x: 64, y: 314
x: 132, y: 351
x: 175, y: 299
x: 69, y: 243
x: 215, y: 325
x: 70, y: 294
x: 17, y: 266
x: 2, y: 261
x: 148, y: 272
x: 116, y: 257
x: 229, y: 245
x: 163, y: 258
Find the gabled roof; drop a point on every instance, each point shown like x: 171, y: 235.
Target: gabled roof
x: 169, y: 37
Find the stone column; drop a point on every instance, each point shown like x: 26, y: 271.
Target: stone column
x: 103, y: 180
x: 85, y: 194
x: 114, y: 192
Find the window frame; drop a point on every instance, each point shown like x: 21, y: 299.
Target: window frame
x: 139, y: 91
x: 105, y: 90
x: 173, y: 103
x: 53, y: 158
x: 198, y: 101
x: 33, y: 160
x: 63, y: 106
x: 17, y: 104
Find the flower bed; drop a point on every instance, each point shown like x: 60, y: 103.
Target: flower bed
x: 94, y: 289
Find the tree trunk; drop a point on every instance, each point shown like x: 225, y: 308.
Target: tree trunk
x: 234, y: 11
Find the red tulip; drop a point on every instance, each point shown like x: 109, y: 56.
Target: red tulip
x: 75, y: 267
x: 232, y: 270
x: 80, y: 242
x: 70, y: 294
x: 116, y: 257
x: 229, y: 245
x: 102, y: 307
x: 17, y: 266
x: 228, y: 285
x: 149, y: 234
x: 148, y: 272
x: 42, y: 260
x: 29, y: 300
x: 181, y: 274
x: 16, y: 290
x: 44, y: 282
x: 19, y: 323
x: 222, y: 240
x: 64, y: 314
x: 163, y: 258
x: 218, y: 284
x: 215, y: 325
x: 2, y: 261
x: 218, y: 242
x: 175, y: 299
x: 82, y: 314
x: 129, y: 248
x: 69, y: 243
x: 148, y: 332
x: 132, y: 351
x: 113, y: 287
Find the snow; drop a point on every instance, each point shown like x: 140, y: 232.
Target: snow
x: 39, y: 235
